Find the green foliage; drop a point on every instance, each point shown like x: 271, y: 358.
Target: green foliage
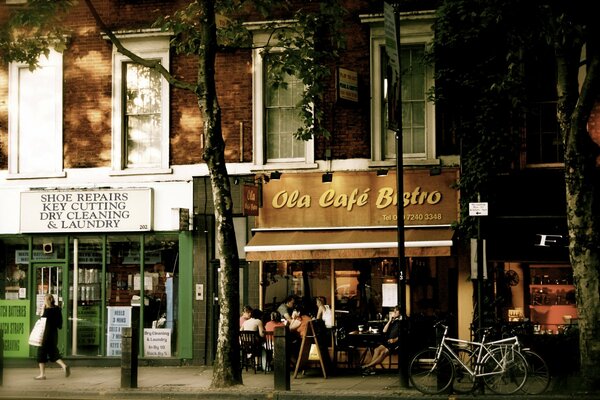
x: 307, y: 45
x: 32, y: 30
x: 477, y: 51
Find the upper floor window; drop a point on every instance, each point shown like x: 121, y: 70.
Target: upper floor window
x: 141, y: 107
x: 542, y: 131
x: 35, y: 121
x: 276, y: 116
x: 418, y: 114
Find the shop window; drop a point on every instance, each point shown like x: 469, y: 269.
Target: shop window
x: 303, y: 279
x: 85, y: 306
x: 140, y: 108
x: 35, y: 121
x: 155, y: 292
x: 418, y: 114
x: 14, y: 262
x: 276, y: 115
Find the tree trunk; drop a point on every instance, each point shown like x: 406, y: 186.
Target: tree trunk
x: 580, y: 175
x: 226, y: 369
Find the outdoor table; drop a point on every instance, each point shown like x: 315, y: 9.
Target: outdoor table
x: 366, y: 340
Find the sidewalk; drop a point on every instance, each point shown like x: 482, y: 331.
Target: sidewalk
x: 194, y: 383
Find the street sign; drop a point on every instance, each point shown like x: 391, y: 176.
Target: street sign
x: 478, y: 209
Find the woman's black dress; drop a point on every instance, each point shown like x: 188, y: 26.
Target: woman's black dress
x: 48, y: 351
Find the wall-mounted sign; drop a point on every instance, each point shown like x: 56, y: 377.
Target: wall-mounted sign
x: 347, y: 84
x: 250, y: 200
x: 14, y: 322
x: 359, y: 199
x: 114, y: 210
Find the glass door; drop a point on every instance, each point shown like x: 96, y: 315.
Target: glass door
x: 48, y: 279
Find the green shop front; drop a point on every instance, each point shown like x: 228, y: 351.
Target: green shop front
x: 96, y: 252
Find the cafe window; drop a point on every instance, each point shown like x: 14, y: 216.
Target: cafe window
x: 303, y: 279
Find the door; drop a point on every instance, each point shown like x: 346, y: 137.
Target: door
x: 48, y: 278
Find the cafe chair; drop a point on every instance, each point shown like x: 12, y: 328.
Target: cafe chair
x: 268, y: 344
x: 343, y: 347
x: 251, y: 349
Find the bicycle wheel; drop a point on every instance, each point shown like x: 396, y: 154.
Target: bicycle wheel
x: 430, y: 374
x: 505, y: 370
x: 538, y: 374
x: 463, y: 381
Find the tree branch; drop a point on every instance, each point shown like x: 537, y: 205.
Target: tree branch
x: 152, y: 64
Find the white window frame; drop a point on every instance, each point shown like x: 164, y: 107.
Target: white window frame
x: 415, y: 30
x: 55, y: 170
x: 260, y: 39
x: 149, y: 44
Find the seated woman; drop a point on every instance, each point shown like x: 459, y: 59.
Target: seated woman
x: 392, y: 331
x: 254, y: 323
x: 274, y: 322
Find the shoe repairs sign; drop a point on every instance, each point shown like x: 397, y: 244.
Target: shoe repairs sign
x: 111, y: 210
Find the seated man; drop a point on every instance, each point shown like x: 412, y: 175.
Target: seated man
x: 392, y: 331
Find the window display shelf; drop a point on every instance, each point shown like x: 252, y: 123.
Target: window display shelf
x: 552, y: 298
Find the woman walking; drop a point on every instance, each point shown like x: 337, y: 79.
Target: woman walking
x: 48, y: 351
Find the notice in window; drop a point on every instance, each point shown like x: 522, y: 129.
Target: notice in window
x: 390, y: 295
x: 157, y: 342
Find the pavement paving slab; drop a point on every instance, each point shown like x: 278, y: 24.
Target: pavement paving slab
x: 193, y: 382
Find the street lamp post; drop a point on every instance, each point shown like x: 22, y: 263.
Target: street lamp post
x: 392, y: 20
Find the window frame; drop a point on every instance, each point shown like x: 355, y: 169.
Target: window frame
x: 415, y: 31
x: 260, y: 39
x: 56, y: 168
x: 149, y: 44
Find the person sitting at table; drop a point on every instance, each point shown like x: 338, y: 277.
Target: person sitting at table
x: 285, y: 309
x: 274, y: 322
x: 254, y: 323
x: 390, y: 344
x: 246, y: 311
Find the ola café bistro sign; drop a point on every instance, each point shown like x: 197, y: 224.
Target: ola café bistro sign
x: 110, y: 210
x: 359, y: 199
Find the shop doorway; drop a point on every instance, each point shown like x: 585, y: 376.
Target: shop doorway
x: 49, y: 279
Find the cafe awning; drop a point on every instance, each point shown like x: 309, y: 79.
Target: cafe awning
x: 311, y: 244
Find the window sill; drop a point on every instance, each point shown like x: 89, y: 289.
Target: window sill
x: 545, y: 165
x: 141, y: 171
x: 406, y: 162
x: 283, y: 166
x: 40, y: 175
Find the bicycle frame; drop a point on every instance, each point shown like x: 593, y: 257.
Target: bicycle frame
x: 483, y: 351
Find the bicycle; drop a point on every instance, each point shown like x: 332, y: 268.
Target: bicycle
x: 538, y: 373
x: 498, y: 363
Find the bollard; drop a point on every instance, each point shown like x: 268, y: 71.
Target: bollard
x: 281, y: 359
x: 129, y: 358
x: 1, y: 356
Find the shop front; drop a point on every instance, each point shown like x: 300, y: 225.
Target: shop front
x: 96, y: 251
x: 531, y: 278
x: 339, y: 240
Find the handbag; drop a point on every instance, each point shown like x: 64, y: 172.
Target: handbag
x: 36, y: 337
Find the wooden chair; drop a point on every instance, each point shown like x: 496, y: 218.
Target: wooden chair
x: 251, y: 349
x: 343, y: 347
x: 268, y: 344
